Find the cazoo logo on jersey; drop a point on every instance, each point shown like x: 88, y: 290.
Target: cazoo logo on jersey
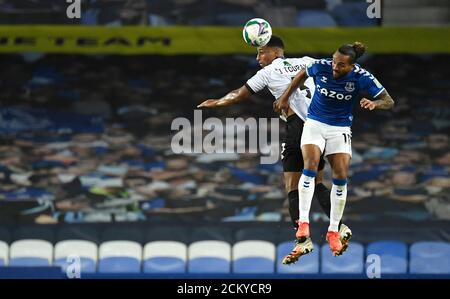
x: 333, y: 94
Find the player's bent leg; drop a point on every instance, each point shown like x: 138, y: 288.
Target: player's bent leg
x: 321, y: 192
x: 312, y: 147
x: 339, y: 163
x: 292, y: 164
x: 302, y: 245
x: 323, y: 195
x: 311, y: 153
x: 291, y: 184
x: 306, y: 186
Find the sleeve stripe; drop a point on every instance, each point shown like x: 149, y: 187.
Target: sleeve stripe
x: 306, y: 70
x: 249, y: 88
x: 379, y: 92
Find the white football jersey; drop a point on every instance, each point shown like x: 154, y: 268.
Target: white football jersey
x: 278, y: 75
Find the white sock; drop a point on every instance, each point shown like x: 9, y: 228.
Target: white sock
x: 338, y: 197
x: 305, y: 194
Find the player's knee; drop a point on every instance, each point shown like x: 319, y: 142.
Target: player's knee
x: 311, y: 164
x: 340, y: 174
x: 290, y: 185
x: 291, y: 181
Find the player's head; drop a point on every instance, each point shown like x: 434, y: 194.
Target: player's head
x: 272, y: 50
x: 345, y: 57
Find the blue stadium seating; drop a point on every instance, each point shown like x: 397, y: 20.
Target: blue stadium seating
x: 120, y: 257
x: 119, y: 264
x: 28, y: 262
x: 165, y: 257
x: 31, y: 253
x: 4, y: 252
x: 393, y: 255
x: 221, y: 250
x: 429, y: 258
x: 209, y: 257
x: 87, y: 265
x: 351, y: 262
x: 306, y: 264
x: 253, y: 257
x: 86, y: 251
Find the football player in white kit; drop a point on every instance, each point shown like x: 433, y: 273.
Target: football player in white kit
x: 276, y: 74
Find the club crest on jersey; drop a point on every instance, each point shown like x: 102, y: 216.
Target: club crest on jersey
x: 350, y: 86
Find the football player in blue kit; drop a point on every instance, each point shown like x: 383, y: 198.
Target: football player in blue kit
x: 339, y: 82
x: 276, y: 74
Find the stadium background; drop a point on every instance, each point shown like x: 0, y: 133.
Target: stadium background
x: 86, y: 109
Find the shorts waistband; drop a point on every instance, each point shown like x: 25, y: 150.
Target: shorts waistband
x: 293, y: 117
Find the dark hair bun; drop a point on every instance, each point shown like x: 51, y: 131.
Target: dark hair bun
x: 359, y: 48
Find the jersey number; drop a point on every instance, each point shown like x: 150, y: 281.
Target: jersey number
x: 347, y: 137
x: 303, y: 87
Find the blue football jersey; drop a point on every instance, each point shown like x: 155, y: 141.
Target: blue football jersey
x: 333, y: 99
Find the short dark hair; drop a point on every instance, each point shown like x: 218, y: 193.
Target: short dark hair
x: 354, y: 50
x: 275, y: 42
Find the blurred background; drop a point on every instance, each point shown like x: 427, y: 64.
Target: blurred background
x: 86, y: 165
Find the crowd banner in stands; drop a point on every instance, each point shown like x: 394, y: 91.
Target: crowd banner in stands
x: 212, y: 40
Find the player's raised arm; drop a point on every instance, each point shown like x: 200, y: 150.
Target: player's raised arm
x: 382, y: 101
x: 283, y: 102
x: 233, y: 97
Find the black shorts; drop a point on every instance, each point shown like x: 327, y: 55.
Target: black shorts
x: 291, y: 153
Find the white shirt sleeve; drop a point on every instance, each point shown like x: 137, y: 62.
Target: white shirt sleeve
x: 305, y: 61
x: 259, y: 81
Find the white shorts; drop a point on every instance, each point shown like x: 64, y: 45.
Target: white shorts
x: 331, y: 139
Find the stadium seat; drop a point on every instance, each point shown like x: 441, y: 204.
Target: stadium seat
x: 315, y: 18
x: 393, y: 255
x: 353, y: 14
x: 306, y: 264
x: 3, y: 254
x: 209, y: 257
x: 165, y: 257
x: 351, y: 262
x: 30, y: 252
x: 253, y: 257
x: 85, y: 250
x: 429, y: 257
x: 120, y: 257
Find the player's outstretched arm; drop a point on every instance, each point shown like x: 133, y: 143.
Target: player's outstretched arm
x: 283, y: 102
x: 233, y: 97
x: 382, y: 101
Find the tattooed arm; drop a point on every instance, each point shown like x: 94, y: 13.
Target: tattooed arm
x: 382, y: 101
